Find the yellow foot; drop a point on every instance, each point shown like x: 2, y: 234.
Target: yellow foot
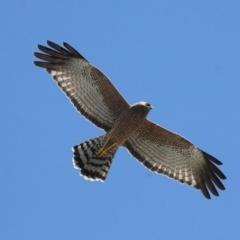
x: 102, y: 151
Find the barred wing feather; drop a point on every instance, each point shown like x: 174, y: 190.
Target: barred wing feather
x: 167, y: 153
x: 90, y: 91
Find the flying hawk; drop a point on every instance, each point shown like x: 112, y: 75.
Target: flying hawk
x: 96, y: 98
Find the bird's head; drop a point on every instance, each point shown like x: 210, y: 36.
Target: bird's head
x: 143, y: 107
x: 146, y: 105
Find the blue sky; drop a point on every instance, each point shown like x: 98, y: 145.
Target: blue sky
x: 181, y: 56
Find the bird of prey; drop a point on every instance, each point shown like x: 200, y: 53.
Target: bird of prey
x: 96, y: 98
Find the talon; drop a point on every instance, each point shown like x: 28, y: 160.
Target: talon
x: 103, y: 151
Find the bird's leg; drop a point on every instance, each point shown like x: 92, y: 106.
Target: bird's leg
x: 106, y: 149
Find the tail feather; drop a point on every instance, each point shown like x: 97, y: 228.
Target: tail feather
x: 85, y: 158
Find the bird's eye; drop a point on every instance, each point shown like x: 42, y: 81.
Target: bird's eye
x: 147, y: 104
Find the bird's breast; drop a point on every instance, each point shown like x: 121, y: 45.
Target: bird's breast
x: 125, y: 126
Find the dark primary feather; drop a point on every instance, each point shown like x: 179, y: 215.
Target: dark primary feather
x: 168, y: 153
x: 90, y: 91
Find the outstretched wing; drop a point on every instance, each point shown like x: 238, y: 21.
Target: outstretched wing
x: 90, y: 91
x: 167, y: 153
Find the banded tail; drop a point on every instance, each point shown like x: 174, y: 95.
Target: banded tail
x: 85, y: 158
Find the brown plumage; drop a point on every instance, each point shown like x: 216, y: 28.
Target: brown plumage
x: 95, y: 97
